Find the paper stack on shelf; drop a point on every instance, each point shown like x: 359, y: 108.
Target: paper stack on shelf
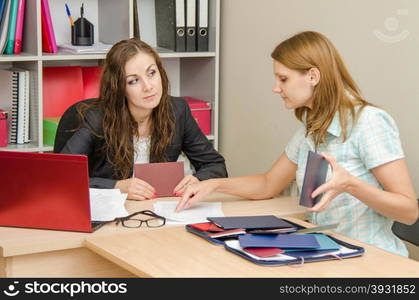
x: 14, y: 98
x: 97, y: 48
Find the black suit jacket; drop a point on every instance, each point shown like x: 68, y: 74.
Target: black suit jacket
x: 188, y: 138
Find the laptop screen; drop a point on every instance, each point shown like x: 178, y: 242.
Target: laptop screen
x: 44, y: 190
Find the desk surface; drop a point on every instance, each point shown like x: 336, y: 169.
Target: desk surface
x: 20, y: 241
x: 174, y: 252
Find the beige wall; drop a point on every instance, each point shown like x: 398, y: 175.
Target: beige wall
x: 255, y: 126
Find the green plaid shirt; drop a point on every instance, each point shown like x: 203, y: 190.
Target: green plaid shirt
x: 373, y: 141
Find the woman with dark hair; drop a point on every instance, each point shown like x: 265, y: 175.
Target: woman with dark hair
x: 135, y: 120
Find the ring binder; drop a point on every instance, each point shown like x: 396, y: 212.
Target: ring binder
x: 191, y: 25
x: 202, y: 27
x: 170, y: 24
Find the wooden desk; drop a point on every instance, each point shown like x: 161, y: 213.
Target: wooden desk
x: 174, y: 252
x: 48, y: 253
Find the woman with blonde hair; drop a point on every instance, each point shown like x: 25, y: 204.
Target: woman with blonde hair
x: 368, y: 185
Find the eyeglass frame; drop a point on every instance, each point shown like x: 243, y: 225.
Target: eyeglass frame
x: 146, y: 212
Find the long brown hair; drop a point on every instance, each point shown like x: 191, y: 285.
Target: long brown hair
x: 119, y: 127
x: 336, y: 90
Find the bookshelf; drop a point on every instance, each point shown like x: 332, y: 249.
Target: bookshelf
x: 194, y: 74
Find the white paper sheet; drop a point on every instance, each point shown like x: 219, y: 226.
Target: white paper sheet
x: 107, y: 204
x: 196, y: 214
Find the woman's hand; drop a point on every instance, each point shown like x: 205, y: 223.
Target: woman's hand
x: 338, y: 184
x: 136, y: 189
x: 183, y: 184
x: 195, y: 193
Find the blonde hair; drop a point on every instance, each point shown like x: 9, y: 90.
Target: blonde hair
x: 335, y: 91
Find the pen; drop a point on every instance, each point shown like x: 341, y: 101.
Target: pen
x: 67, y: 9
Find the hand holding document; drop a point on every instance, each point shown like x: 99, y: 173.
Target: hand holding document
x: 107, y: 204
x: 196, y: 214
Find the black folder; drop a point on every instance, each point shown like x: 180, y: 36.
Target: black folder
x: 202, y: 25
x: 315, y: 176
x: 170, y: 24
x: 250, y: 222
x: 190, y: 25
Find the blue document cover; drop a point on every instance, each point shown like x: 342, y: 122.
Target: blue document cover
x: 327, y: 245
x: 282, y: 241
x: 250, y: 222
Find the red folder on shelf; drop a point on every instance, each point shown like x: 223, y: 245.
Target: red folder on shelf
x: 3, y: 129
x: 49, y: 43
x: 62, y: 87
x: 19, y: 26
x: 164, y: 177
x: 91, y: 81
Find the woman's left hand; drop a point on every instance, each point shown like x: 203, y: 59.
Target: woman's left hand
x: 183, y: 184
x: 338, y: 184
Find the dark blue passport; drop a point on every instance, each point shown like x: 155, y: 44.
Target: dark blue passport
x: 282, y: 241
x: 250, y: 222
x: 315, y: 176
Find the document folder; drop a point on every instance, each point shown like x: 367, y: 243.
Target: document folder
x: 283, y: 241
x: 164, y: 177
x: 170, y: 24
x: 326, y: 251
x: 315, y: 176
x: 12, y: 28
x: 202, y: 28
x: 250, y: 222
x: 190, y: 25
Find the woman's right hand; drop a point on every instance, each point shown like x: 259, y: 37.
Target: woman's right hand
x: 196, y: 192
x: 136, y: 189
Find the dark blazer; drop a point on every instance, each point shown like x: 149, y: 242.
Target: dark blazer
x: 188, y: 138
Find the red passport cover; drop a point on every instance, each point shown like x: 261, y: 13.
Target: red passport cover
x: 208, y: 226
x: 164, y: 177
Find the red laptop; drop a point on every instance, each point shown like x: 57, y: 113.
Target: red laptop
x: 43, y: 190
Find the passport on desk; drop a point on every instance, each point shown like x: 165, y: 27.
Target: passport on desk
x: 164, y: 177
x: 250, y: 222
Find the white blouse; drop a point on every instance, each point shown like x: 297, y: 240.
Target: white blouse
x: 142, y: 150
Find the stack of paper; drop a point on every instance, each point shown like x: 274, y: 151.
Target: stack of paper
x: 196, y: 214
x: 107, y: 204
x: 98, y: 48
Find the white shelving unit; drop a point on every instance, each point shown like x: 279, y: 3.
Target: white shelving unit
x: 193, y: 74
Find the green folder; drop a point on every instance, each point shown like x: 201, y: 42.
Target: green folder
x: 12, y: 28
x: 50, y: 130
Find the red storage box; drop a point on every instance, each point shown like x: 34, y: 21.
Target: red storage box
x: 201, y: 111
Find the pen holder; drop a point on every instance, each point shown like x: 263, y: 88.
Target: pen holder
x: 82, y: 33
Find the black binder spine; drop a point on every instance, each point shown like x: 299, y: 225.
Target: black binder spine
x: 202, y: 25
x: 180, y: 26
x: 170, y: 24
x: 190, y: 25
